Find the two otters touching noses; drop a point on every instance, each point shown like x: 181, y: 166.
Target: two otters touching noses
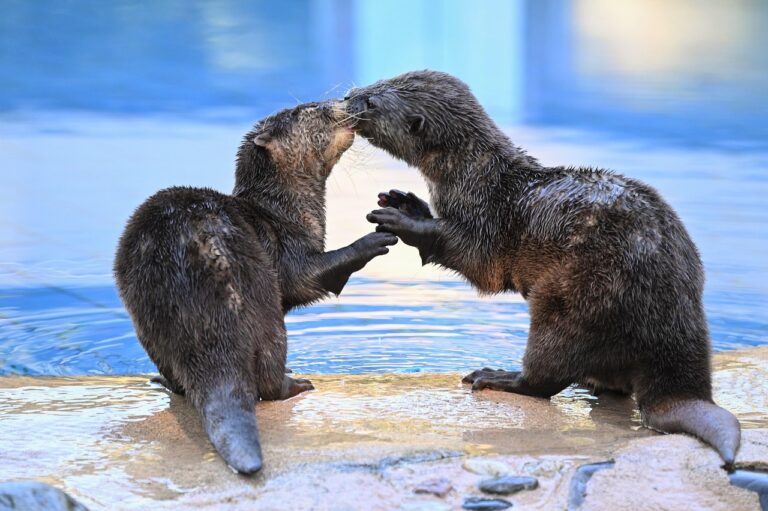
x: 613, y: 281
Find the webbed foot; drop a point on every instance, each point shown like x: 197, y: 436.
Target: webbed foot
x: 512, y: 381
x: 294, y: 387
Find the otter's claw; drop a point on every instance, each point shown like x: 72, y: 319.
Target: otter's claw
x: 408, y: 203
x: 294, y: 387
x: 485, y: 372
x: 168, y: 384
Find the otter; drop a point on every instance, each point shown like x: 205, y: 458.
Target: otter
x: 613, y: 281
x: 208, y: 277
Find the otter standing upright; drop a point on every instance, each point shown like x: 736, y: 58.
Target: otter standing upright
x: 613, y: 280
x: 207, y: 277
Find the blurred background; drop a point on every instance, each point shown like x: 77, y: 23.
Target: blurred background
x: 104, y: 103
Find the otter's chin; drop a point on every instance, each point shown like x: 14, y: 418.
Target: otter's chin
x: 343, y: 137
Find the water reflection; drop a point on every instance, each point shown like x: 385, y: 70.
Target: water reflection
x: 98, y: 112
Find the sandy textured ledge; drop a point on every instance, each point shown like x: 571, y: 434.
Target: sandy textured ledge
x: 366, y: 442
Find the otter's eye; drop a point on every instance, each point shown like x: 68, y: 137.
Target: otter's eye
x: 372, y: 103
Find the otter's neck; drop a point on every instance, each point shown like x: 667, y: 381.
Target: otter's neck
x: 294, y: 202
x: 475, y: 160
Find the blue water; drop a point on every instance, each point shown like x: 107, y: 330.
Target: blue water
x: 101, y: 104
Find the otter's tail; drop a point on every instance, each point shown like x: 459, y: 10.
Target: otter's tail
x: 229, y: 420
x: 714, y: 425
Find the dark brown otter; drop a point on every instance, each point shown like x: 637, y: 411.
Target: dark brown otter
x: 612, y: 278
x: 207, y: 277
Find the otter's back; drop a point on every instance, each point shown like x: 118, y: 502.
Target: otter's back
x: 186, y: 254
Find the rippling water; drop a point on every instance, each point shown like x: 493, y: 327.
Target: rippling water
x: 130, y: 111
x: 63, y: 315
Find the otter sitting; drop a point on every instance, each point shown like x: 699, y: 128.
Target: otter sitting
x: 208, y: 277
x: 612, y: 278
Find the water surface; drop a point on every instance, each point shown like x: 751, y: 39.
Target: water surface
x: 98, y: 112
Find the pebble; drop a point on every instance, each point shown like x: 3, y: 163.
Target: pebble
x: 486, y: 467
x: 483, y: 504
x: 439, y: 487
x: 507, y: 485
x: 36, y: 495
x: 425, y: 506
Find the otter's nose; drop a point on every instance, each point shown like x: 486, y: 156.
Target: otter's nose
x: 357, y: 105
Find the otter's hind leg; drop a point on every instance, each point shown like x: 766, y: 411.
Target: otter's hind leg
x: 545, y: 366
x: 168, y: 383
x: 270, y: 369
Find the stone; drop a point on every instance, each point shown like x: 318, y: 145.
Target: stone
x: 440, y: 487
x: 753, y: 481
x: 577, y: 491
x: 486, y: 467
x: 425, y: 506
x: 483, y: 504
x: 34, y: 495
x: 507, y: 485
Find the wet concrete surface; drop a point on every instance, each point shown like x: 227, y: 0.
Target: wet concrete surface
x: 369, y: 441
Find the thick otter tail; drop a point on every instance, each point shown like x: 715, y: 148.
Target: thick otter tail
x: 714, y: 425
x: 229, y: 420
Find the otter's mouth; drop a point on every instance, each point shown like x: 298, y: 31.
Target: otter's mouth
x: 343, y: 118
x: 357, y: 113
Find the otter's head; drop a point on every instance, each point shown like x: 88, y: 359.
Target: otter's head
x: 417, y: 113
x: 294, y: 147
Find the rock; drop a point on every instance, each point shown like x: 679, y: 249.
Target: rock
x: 507, y: 485
x: 36, y: 496
x: 425, y: 506
x: 486, y: 467
x: 439, y: 487
x: 578, y: 488
x: 483, y: 504
x: 753, y: 481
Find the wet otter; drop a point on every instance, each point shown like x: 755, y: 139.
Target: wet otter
x: 613, y: 281
x: 207, y: 277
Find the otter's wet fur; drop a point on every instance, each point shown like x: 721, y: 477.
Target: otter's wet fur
x: 613, y: 281
x: 207, y: 277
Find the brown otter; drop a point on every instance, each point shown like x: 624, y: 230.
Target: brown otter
x: 207, y: 277
x: 613, y: 280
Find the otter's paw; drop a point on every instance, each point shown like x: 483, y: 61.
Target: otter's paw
x: 485, y: 372
x: 509, y: 382
x: 294, y: 387
x: 408, y: 203
x: 168, y: 384
x: 374, y: 244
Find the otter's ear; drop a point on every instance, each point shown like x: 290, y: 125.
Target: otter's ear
x: 415, y: 123
x: 262, y: 139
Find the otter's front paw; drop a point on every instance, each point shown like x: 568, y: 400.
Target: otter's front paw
x: 294, y: 387
x: 408, y: 203
x: 419, y: 233
x: 372, y: 245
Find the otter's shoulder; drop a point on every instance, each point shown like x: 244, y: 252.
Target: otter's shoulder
x: 578, y: 188
x: 187, y: 197
x: 178, y: 209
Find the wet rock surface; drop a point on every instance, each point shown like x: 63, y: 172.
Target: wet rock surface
x: 507, y: 485
x: 35, y: 496
x: 121, y: 443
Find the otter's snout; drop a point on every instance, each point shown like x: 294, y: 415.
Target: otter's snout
x: 357, y: 105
